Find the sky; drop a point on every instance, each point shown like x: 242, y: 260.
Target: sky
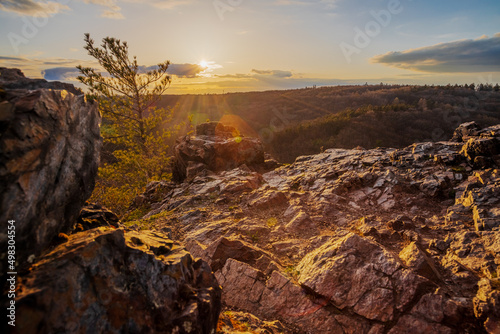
x: 217, y: 46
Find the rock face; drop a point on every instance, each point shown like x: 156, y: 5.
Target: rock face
x: 116, y: 281
x: 354, y: 241
x: 215, y: 148
x: 50, y: 147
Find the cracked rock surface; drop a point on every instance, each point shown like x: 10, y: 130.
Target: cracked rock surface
x: 353, y: 241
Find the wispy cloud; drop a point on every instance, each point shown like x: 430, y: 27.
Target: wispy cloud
x: 463, y: 56
x: 32, y: 7
x: 274, y: 73
x: 328, y: 4
x: 110, y: 8
x: 271, y: 79
x: 163, y: 4
x: 292, y: 2
x: 234, y: 76
x: 110, y: 14
x: 38, y: 8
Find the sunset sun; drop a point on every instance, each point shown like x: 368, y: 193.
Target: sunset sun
x: 203, y: 63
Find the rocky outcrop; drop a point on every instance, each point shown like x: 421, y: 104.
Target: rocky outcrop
x: 482, y: 146
x: 50, y: 147
x: 464, y: 131
x: 354, y: 241
x: 100, y: 278
x: 117, y: 281
x: 215, y: 148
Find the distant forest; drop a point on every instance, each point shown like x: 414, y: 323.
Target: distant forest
x: 306, y: 121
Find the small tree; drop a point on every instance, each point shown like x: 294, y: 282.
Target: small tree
x: 134, y: 129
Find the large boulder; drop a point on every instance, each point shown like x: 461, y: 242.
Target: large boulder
x: 115, y: 281
x: 464, y: 131
x: 50, y: 142
x: 215, y: 148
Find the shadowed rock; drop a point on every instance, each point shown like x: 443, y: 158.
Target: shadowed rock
x: 116, y: 281
x: 50, y: 147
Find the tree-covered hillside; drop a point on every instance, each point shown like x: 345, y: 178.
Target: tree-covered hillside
x: 304, y: 121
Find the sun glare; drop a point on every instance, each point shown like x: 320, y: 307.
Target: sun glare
x: 207, y: 68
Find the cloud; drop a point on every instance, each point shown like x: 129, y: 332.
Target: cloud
x: 234, y: 76
x: 328, y: 4
x: 268, y: 80
x: 274, y: 73
x: 111, y: 8
x: 61, y: 73
x: 291, y: 2
x: 39, y: 8
x: 185, y: 70
x: 112, y: 15
x: 463, y: 56
x: 163, y: 4
x: 32, y: 7
x: 3, y: 58
x: 179, y: 70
